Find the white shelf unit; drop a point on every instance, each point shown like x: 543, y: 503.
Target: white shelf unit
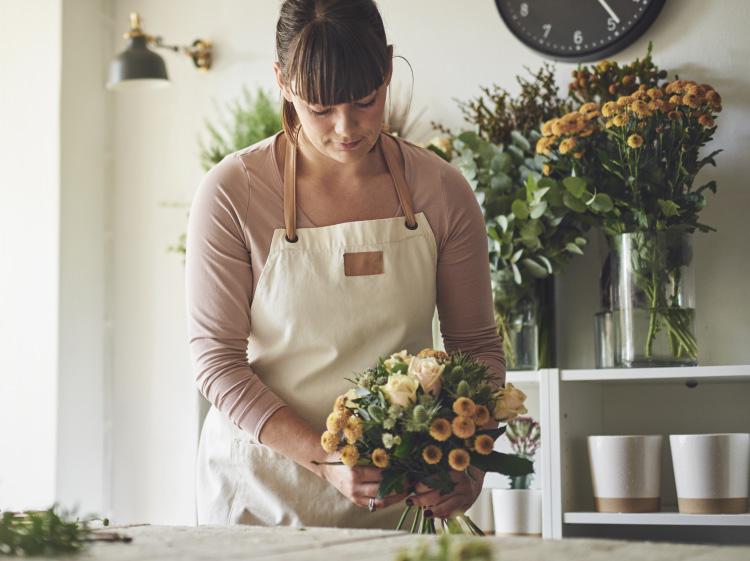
x: 638, y: 401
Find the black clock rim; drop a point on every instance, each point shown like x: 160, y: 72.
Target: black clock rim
x: 623, y: 41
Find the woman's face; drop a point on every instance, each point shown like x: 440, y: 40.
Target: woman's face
x: 346, y: 132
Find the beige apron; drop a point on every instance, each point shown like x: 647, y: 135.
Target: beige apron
x: 326, y: 305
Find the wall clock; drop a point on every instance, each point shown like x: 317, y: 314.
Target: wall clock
x: 578, y: 30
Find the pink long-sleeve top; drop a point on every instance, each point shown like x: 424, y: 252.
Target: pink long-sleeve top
x: 238, y: 206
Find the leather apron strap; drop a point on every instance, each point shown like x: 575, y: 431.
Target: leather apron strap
x: 395, y: 167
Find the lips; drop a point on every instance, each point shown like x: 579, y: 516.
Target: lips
x: 347, y: 145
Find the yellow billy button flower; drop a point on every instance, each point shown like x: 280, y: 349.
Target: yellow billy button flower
x: 567, y: 145
x: 336, y: 421
x: 349, y: 455
x: 484, y: 444
x: 706, y: 120
x: 464, y: 406
x: 635, y: 141
x: 380, y: 458
x: 459, y: 459
x: 545, y: 169
x: 432, y: 454
x: 620, y: 120
x: 329, y: 441
x: 340, y: 403
x: 463, y: 427
x: 440, y: 430
x: 353, y: 429
x: 610, y: 109
x: 481, y: 415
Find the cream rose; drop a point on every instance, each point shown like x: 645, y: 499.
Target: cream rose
x: 428, y: 371
x: 509, y: 403
x: 400, y: 389
x: 396, y: 358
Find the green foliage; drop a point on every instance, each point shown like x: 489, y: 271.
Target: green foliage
x: 530, y: 223
x: 47, y: 533
x: 498, y: 117
x: 249, y: 120
x: 449, y: 548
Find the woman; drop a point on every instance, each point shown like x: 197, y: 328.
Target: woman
x: 310, y: 254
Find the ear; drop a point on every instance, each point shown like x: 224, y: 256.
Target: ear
x: 280, y: 82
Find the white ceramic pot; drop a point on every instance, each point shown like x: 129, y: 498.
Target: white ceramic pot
x: 481, y: 512
x: 711, y: 472
x: 626, y: 472
x: 517, y: 512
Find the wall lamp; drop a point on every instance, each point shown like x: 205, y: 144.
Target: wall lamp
x: 140, y: 68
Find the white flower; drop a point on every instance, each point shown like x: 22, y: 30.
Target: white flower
x: 428, y: 371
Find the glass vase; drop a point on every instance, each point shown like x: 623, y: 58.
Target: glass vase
x: 653, y: 299
x: 517, y: 324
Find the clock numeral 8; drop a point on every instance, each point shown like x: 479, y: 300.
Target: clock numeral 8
x: 524, y: 9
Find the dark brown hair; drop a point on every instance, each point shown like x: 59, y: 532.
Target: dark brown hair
x: 330, y: 52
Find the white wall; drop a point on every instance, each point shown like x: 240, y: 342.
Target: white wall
x: 29, y: 249
x: 85, y: 248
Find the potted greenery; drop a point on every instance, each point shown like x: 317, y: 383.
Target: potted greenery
x: 532, y: 234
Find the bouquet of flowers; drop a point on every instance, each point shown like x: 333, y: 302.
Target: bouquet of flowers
x: 419, y: 418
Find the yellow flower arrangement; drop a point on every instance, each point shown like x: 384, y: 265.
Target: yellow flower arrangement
x: 481, y: 415
x: 330, y: 441
x: 336, y: 421
x: 635, y: 141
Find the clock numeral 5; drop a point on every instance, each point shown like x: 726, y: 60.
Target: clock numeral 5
x: 611, y: 24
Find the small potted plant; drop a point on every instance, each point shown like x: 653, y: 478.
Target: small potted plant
x: 518, y: 509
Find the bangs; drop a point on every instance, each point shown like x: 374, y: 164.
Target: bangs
x: 332, y: 64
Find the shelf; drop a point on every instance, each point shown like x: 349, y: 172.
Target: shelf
x: 664, y: 518
x: 700, y: 374
x: 516, y: 377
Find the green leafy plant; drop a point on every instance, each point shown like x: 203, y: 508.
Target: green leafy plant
x: 249, y: 120
x: 244, y: 121
x: 48, y: 533
x: 532, y: 232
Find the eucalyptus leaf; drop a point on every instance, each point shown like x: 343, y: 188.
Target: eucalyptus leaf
x: 573, y: 248
x: 516, y: 256
x: 516, y: 274
x: 546, y: 262
x: 520, y: 209
x: 501, y: 163
x: 574, y: 204
x: 501, y: 181
x: 575, y: 186
x: 538, y: 210
x: 536, y: 270
x: 502, y: 221
x: 532, y: 229
x: 520, y: 141
x: 602, y: 203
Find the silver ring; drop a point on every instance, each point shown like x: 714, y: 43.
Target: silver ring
x: 372, y: 505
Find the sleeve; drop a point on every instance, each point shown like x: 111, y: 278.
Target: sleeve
x: 219, y: 284
x: 464, y: 291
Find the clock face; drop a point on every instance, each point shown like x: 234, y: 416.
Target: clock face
x: 578, y: 30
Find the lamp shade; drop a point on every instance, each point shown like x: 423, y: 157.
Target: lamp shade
x: 137, y: 67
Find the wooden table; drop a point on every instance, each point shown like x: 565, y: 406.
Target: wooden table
x: 229, y: 543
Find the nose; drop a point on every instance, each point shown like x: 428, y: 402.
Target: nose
x: 345, y: 123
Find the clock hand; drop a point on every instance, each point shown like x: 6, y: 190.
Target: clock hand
x: 612, y: 14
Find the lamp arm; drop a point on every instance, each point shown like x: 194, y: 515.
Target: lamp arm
x: 200, y: 51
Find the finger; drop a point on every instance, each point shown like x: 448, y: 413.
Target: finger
x: 456, y: 504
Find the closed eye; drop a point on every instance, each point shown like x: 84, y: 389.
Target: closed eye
x: 366, y: 105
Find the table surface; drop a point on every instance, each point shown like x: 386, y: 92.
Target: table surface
x: 229, y: 543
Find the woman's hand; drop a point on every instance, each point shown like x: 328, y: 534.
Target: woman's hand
x: 463, y: 496
x: 359, y: 484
